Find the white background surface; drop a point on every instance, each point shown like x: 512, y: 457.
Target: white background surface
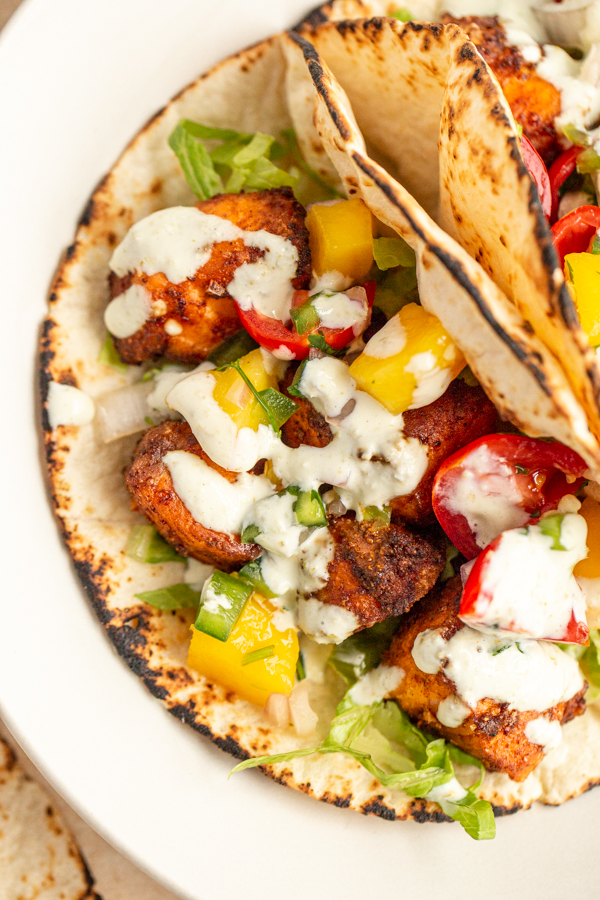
x: 76, y: 81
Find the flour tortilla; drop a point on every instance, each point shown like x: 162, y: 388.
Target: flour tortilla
x: 38, y: 855
x: 438, y: 121
x: 248, y: 92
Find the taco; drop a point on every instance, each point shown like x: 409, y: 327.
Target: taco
x: 285, y: 483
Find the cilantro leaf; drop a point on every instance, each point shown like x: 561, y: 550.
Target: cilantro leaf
x: 319, y: 343
x: 276, y: 405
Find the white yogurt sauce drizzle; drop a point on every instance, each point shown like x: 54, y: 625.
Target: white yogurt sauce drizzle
x: 179, y: 240
x: 528, y: 587
x: 296, y: 559
x: 545, y: 732
x: 128, y: 312
x: 452, y: 712
x: 68, y: 405
x: 486, y: 495
x: 376, y: 685
x: 534, y: 675
x: 209, y: 496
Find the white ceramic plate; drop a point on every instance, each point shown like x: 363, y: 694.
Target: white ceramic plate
x: 77, y: 79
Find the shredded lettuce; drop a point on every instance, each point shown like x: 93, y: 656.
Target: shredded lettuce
x: 590, y: 664
x: 576, y: 136
x: 390, y: 252
x: 402, y: 13
x: 291, y: 146
x: 177, y: 596
x: 146, y: 545
x: 108, y: 355
x: 240, y: 162
x: 425, y: 764
x: 551, y: 526
x: 588, y: 161
x: 363, y: 651
x: 395, y: 288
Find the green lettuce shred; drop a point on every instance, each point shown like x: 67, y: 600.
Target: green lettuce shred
x: 108, y: 355
x: 390, y: 252
x: 146, y: 545
x: 402, y: 13
x: 177, y: 596
x: 240, y: 162
x: 365, y: 731
x: 590, y: 664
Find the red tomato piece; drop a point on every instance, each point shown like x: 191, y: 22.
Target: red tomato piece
x: 538, y: 172
x: 285, y: 342
x: 573, y: 233
x: 548, y: 604
x: 560, y: 170
x: 501, y: 481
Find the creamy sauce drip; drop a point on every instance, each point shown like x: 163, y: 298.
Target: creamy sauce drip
x: 528, y: 587
x: 388, y: 341
x: 326, y: 623
x: 338, y: 310
x: 486, y: 495
x: 376, y: 685
x: 210, y: 498
x: 178, y: 241
x: 347, y: 462
x: 535, y: 675
x: 432, y: 380
x: 452, y: 712
x: 545, y: 732
x: 68, y: 405
x: 128, y: 312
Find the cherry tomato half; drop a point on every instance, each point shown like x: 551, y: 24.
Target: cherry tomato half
x: 560, y: 170
x: 538, y: 172
x: 285, y: 342
x: 573, y: 233
x: 481, y: 606
x: 501, y: 481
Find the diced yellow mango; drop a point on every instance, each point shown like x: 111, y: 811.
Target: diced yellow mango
x: 582, y: 273
x: 235, y: 397
x: 410, y: 338
x: 222, y: 661
x: 590, y: 567
x: 341, y: 238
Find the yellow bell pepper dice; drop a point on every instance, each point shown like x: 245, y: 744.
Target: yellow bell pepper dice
x: 341, y: 238
x: 590, y: 566
x: 409, y: 363
x: 582, y: 273
x: 235, y: 397
x: 230, y: 664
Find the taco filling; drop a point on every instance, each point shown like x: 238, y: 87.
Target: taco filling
x: 351, y: 508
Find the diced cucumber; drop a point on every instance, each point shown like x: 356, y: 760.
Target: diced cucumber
x: 221, y: 603
x: 309, y: 509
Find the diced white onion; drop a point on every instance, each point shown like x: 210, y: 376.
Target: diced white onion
x: 277, y: 710
x: 304, y: 718
x: 123, y: 412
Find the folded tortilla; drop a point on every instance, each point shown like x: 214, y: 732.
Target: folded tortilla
x: 274, y: 85
x: 436, y: 119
